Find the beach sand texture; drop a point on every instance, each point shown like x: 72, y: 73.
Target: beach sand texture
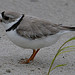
x: 56, y: 11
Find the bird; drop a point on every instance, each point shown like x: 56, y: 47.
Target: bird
x: 30, y: 32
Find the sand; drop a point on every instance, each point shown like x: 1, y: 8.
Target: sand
x: 56, y: 11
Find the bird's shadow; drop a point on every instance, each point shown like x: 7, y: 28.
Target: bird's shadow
x: 42, y: 60
x: 13, y: 60
x: 37, y: 63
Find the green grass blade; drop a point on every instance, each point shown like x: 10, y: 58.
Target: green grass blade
x: 58, y: 66
x: 73, y: 38
x: 66, y: 48
x: 65, y: 51
x: 59, y: 50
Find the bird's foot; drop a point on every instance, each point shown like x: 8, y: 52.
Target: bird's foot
x: 23, y: 61
x: 26, y: 61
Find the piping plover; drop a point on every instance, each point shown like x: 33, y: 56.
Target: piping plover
x: 31, y: 32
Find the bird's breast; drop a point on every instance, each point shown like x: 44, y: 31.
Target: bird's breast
x: 32, y: 44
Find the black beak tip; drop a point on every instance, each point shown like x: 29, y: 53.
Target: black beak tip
x: 3, y: 12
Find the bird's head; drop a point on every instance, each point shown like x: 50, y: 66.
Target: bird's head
x: 9, y: 18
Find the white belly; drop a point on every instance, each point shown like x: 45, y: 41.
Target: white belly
x: 32, y: 44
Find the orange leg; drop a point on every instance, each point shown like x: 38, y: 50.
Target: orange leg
x: 31, y: 57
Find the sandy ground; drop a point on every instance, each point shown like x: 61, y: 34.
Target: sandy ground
x: 57, y: 11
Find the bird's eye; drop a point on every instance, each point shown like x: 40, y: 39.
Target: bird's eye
x: 6, y: 18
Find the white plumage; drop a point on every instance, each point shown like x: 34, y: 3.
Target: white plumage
x: 30, y: 32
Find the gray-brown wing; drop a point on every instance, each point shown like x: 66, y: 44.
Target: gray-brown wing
x: 34, y: 28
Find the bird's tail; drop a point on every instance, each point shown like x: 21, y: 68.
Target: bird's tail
x: 68, y: 28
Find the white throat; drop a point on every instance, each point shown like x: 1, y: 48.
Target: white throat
x: 7, y: 26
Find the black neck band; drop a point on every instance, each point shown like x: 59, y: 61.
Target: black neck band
x: 15, y: 25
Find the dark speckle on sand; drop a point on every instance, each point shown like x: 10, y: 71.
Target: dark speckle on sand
x: 34, y: 0
x: 8, y: 70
